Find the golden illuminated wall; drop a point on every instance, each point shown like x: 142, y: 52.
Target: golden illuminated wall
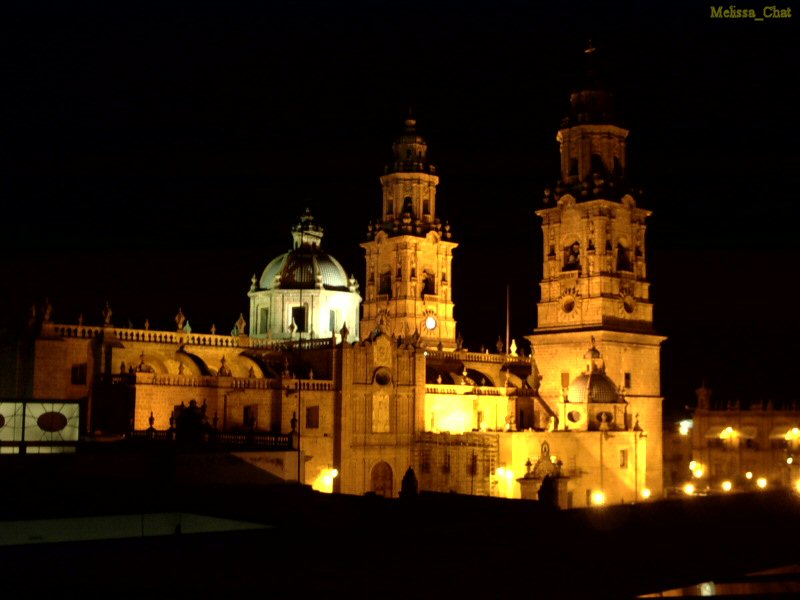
x: 380, y: 412
x: 594, y: 283
x: 408, y: 303
x: 614, y: 462
x: 409, y: 253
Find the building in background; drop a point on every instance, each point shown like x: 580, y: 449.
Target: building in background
x: 725, y: 447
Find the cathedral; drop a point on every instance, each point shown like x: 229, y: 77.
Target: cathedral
x: 365, y: 384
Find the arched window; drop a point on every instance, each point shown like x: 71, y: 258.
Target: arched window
x: 385, y: 283
x: 623, y: 258
x: 428, y: 283
x: 381, y: 480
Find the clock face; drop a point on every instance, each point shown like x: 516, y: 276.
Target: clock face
x: 430, y: 322
x: 628, y: 304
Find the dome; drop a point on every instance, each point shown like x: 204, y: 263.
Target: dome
x: 592, y: 388
x: 593, y: 385
x: 306, y: 266
x: 302, y: 268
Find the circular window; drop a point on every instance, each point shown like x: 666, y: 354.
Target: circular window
x: 568, y: 304
x: 51, y: 422
x: 383, y: 377
x: 574, y: 416
x: 628, y: 304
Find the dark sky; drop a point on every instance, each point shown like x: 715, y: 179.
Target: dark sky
x: 155, y: 156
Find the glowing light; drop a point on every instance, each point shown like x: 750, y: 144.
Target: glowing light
x: 683, y: 430
x: 685, y: 426
x: 749, y: 475
x: 797, y: 486
x: 761, y: 482
x: 553, y: 458
x: 727, y: 486
x: 698, y: 472
x: 598, y: 498
x: 792, y: 434
x: 509, y: 474
x: 501, y: 472
x: 728, y: 433
x: 324, y: 481
x: 693, y: 465
x: 646, y: 493
x: 688, y: 489
x: 789, y: 460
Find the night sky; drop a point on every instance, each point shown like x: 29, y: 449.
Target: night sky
x: 155, y: 156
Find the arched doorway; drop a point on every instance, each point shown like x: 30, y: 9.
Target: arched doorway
x: 381, y: 480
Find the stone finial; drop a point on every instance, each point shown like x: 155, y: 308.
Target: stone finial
x: 151, y: 419
x: 147, y: 324
x: 107, y: 315
x: 187, y: 328
x: 213, y: 329
x: 48, y: 310
x: 344, y: 331
x: 293, y: 422
x: 253, y: 281
x: 224, y: 370
x: 180, y: 319
x: 80, y: 319
x: 513, y: 348
x: 241, y: 324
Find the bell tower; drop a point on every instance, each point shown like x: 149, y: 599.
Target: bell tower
x: 409, y: 252
x: 594, y: 280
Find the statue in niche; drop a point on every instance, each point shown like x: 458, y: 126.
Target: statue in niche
x: 573, y: 259
x: 499, y: 345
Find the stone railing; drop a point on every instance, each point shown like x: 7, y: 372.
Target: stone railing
x: 479, y: 357
x: 441, y: 388
x: 71, y: 331
x: 181, y: 338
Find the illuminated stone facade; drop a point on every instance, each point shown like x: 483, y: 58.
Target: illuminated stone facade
x: 402, y: 392
x: 594, y: 273
x: 304, y: 293
x: 409, y: 252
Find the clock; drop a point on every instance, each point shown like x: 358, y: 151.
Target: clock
x: 627, y: 304
x: 430, y: 322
